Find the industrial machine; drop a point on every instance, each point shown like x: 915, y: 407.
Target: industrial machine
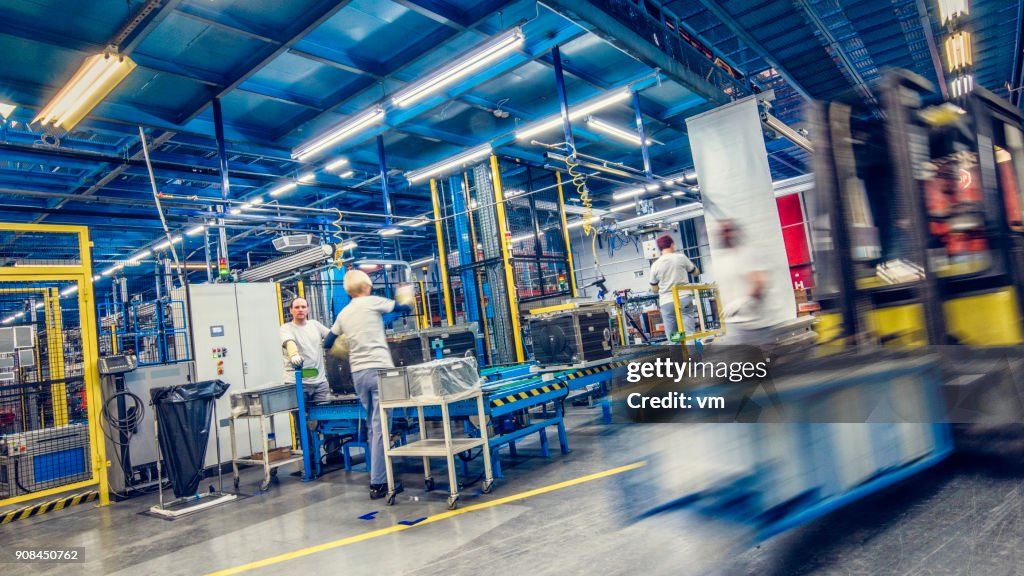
x: 572, y: 334
x: 235, y: 328
x: 128, y: 418
x: 41, y: 459
x: 420, y: 346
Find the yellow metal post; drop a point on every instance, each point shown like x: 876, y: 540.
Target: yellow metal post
x: 55, y: 356
x: 506, y: 256
x: 442, y: 255
x: 679, y: 315
x: 302, y: 289
x: 280, y: 303
x: 424, y: 319
x: 565, y: 233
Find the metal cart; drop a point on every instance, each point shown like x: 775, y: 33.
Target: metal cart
x: 269, y: 468
x: 447, y: 446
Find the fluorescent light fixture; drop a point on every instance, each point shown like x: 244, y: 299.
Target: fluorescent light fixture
x: 167, y: 244
x: 283, y: 188
x: 307, y: 177
x: 349, y: 245
x: 111, y: 270
x: 414, y: 222
x: 245, y: 206
x: 584, y: 109
x: 615, y: 132
x: 69, y: 290
x: 369, y: 266
x: 950, y: 9
x: 256, y: 201
x: 453, y: 162
x: 628, y: 193
x: 652, y: 187
x: 235, y: 211
x: 335, y: 164
x: 574, y: 224
x: 340, y: 132
x: 962, y: 86
x: 6, y: 110
x: 195, y: 230
x: 96, y: 277
x: 678, y: 193
x: 474, y: 60
x: 347, y: 174
x: 96, y: 78
x: 958, y: 51
x: 422, y: 261
x: 622, y: 207
x: 134, y: 260
x: 390, y: 231
x: 522, y: 237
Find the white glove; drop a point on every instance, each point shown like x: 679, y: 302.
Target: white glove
x: 296, y: 361
x: 405, y: 295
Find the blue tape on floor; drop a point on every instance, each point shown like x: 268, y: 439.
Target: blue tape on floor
x: 370, y: 516
x: 413, y: 523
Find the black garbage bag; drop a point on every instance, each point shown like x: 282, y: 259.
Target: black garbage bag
x: 184, y: 413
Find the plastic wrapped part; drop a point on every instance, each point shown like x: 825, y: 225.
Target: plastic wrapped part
x: 184, y: 413
x: 445, y: 377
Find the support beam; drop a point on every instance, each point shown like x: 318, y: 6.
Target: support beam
x: 734, y: 26
x: 837, y: 48
x: 618, y: 34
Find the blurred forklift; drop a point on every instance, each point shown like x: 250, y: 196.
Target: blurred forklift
x: 918, y: 234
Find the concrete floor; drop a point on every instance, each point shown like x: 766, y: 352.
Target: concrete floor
x: 963, y: 517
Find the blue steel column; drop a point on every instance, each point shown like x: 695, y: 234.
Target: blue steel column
x: 643, y: 135
x: 556, y: 57
x: 225, y: 186
x: 384, y: 180
x: 464, y: 247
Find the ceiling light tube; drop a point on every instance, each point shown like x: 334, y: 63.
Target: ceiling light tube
x: 338, y: 133
x: 256, y: 201
x: 414, y: 222
x: 6, y: 110
x: 390, y: 231
x: 580, y: 111
x: 307, y: 177
x: 195, y: 230
x: 95, y: 78
x: 335, y: 164
x: 476, y: 59
x: 349, y: 245
x: 69, y: 290
x: 622, y: 207
x: 628, y: 193
x: 615, y: 132
x: 422, y: 261
x: 283, y: 188
x: 444, y: 165
x: 347, y: 174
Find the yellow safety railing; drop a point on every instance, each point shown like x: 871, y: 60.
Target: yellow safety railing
x: 37, y: 275
x: 708, y: 305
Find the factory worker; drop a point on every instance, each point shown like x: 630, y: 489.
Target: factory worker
x: 301, y: 346
x: 745, y: 287
x: 670, y: 270
x: 361, y: 321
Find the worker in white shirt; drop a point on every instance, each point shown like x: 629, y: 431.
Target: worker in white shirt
x: 669, y: 270
x: 362, y: 324
x: 301, y: 346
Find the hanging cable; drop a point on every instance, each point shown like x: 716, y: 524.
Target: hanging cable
x: 339, y: 252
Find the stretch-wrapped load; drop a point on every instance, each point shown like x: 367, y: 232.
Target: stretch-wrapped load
x: 445, y: 377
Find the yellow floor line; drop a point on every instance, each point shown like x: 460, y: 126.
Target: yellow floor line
x: 429, y: 520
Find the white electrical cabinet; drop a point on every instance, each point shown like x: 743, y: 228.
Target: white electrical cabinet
x: 236, y: 333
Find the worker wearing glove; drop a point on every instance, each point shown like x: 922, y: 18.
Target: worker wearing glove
x: 361, y: 322
x: 300, y: 346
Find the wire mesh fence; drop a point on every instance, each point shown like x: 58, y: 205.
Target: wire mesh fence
x: 44, y: 418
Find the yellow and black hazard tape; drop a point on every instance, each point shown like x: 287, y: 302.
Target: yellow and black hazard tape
x: 596, y: 370
x: 44, y: 507
x: 528, y: 394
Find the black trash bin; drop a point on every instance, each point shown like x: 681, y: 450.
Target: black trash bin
x: 184, y: 413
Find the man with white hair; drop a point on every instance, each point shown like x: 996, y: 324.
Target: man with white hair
x: 361, y: 321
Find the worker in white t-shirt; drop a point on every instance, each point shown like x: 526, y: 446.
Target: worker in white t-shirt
x: 745, y: 287
x: 362, y: 323
x: 669, y: 270
x: 301, y: 346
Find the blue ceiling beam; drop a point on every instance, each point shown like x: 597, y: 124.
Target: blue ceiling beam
x: 224, y: 21
x: 340, y: 59
x: 316, y: 15
x: 438, y: 12
x: 546, y: 36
